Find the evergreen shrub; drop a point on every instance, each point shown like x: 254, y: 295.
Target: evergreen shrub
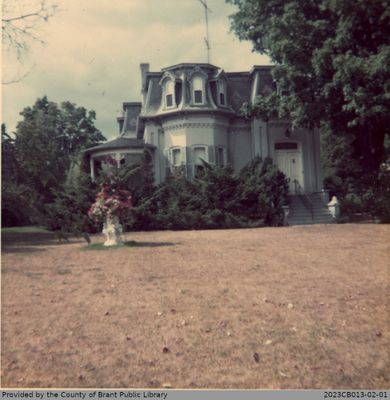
x: 217, y: 198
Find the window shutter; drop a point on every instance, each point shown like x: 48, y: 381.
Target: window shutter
x: 167, y: 156
x: 183, y: 153
x: 189, y: 163
x: 211, y: 154
x: 166, y: 153
x: 217, y: 157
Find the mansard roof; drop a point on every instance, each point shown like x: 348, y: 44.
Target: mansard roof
x: 131, y: 111
x: 239, y: 86
x: 239, y: 89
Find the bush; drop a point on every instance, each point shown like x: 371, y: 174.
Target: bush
x: 382, y: 195
x: 217, y: 198
x: 68, y: 213
x: 17, y: 204
x: 263, y: 190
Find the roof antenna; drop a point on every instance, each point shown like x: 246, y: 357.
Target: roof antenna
x: 206, y: 39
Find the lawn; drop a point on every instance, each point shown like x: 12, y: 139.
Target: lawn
x: 294, y: 307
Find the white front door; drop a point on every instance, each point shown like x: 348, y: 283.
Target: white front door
x: 290, y: 163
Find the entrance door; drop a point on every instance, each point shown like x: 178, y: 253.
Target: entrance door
x: 289, y: 161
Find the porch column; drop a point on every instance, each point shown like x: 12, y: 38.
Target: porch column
x: 118, y: 159
x: 92, y: 168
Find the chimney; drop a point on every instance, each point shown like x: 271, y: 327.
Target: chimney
x: 144, y: 70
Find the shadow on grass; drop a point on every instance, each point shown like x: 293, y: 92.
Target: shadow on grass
x: 20, y: 250
x: 24, y: 239
x: 131, y: 243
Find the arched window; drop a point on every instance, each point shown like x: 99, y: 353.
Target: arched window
x: 169, y: 93
x: 197, y: 90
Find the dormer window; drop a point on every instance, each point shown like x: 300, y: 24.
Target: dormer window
x: 221, y: 93
x: 198, y: 90
x: 169, y: 93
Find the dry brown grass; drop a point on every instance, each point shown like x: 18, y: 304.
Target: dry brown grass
x: 312, y: 302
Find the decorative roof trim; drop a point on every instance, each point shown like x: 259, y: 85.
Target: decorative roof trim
x: 189, y: 65
x: 199, y: 125
x: 168, y: 75
x: 197, y: 71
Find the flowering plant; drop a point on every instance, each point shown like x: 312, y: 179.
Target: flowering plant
x: 110, y: 203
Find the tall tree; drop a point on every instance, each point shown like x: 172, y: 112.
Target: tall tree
x: 17, y: 201
x: 47, y: 139
x: 333, y: 57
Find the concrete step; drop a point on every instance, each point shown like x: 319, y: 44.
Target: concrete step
x: 300, y: 215
x: 308, y: 217
x: 310, y: 223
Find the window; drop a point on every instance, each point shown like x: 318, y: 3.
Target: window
x: 198, y: 96
x: 197, y: 85
x: 176, y: 157
x: 199, y: 155
x: 286, y: 146
x: 169, y: 93
x: 221, y: 93
x: 220, y: 159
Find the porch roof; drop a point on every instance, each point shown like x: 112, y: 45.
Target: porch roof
x: 120, y: 143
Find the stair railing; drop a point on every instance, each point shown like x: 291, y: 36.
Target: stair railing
x: 304, y: 197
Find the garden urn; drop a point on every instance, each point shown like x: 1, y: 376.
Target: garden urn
x: 113, y: 231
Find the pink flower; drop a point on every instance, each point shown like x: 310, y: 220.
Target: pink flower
x: 110, y: 202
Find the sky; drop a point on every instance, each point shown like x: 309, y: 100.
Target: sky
x: 93, y: 49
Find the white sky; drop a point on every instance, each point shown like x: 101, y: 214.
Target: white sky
x: 94, y: 47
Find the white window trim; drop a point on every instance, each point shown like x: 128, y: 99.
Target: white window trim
x: 171, y: 159
x: 221, y: 89
x: 202, y: 78
x: 165, y: 94
x: 200, y: 146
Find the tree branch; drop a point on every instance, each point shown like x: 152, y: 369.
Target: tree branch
x: 19, y: 78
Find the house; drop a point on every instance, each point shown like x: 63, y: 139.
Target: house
x: 191, y: 111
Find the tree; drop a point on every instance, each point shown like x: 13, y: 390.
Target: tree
x: 17, y: 202
x: 46, y: 141
x: 22, y: 23
x: 333, y: 58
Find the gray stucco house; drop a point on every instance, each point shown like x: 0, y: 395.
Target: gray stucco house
x: 191, y: 111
